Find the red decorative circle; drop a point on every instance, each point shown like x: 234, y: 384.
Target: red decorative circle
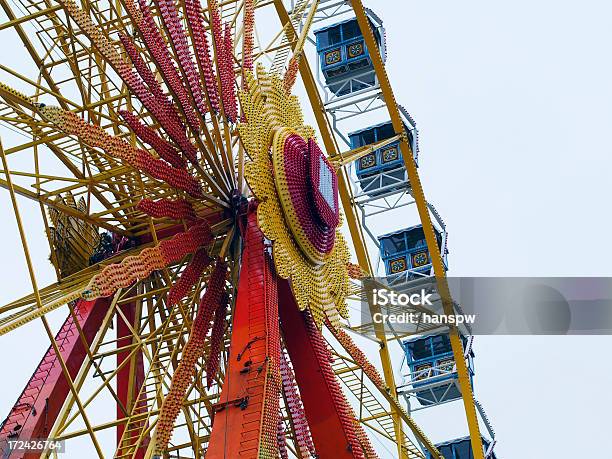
x: 312, y: 219
x: 324, y: 185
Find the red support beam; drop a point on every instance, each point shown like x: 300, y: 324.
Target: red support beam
x: 40, y: 403
x: 332, y: 424
x: 128, y: 390
x: 246, y: 418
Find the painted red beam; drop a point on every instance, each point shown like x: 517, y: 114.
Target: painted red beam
x: 39, y: 405
x: 128, y: 394
x: 246, y: 417
x: 331, y: 423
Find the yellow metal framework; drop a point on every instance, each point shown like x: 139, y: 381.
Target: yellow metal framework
x: 67, y: 71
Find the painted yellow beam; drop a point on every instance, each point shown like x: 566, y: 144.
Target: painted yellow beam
x: 63, y: 208
x: 430, y: 237
x: 17, y: 21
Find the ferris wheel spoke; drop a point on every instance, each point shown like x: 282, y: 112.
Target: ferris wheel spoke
x: 113, y: 58
x: 51, y: 302
x: 208, y: 150
x: 81, y: 183
x: 103, y: 181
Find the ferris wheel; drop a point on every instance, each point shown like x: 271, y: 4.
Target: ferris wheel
x: 209, y: 245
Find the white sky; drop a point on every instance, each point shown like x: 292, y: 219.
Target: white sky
x: 514, y: 105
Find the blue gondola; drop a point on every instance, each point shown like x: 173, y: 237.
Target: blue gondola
x: 406, y: 250
x: 431, y: 363
x: 382, y: 170
x: 460, y: 448
x: 344, y: 58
